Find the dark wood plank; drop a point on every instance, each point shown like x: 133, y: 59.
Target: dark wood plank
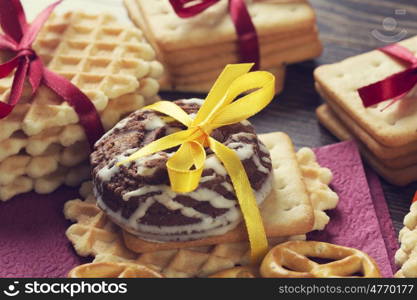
x: 347, y: 27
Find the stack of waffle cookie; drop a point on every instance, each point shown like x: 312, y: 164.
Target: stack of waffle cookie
x: 386, y: 133
x: 297, y: 205
x: 41, y: 143
x: 195, y: 50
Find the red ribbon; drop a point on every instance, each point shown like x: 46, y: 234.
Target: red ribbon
x: 415, y: 198
x: 18, y: 37
x: 245, y: 30
x: 395, y: 86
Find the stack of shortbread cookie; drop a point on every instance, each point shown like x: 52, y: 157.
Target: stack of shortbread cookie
x: 387, y: 135
x: 41, y: 143
x: 195, y: 50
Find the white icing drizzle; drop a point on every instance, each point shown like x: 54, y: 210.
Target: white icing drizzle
x: 107, y: 172
x: 216, y: 200
x: 140, y: 211
x: 141, y: 191
x: 266, y: 159
x: 119, y: 125
x: 227, y: 186
x: 166, y: 198
x: 244, y: 151
x: 212, y: 162
x: 192, y: 115
x: 208, y: 227
x: 154, y: 123
x: 259, y: 166
x: 191, y: 213
x: 142, y: 169
x: 193, y: 101
x: 208, y: 178
x: 263, y: 148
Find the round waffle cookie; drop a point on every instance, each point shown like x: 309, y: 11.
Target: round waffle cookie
x: 138, y: 197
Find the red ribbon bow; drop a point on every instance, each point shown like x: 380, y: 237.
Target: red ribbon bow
x: 395, y: 86
x: 18, y: 37
x: 245, y: 30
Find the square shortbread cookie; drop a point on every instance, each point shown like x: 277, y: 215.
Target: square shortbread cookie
x: 400, y: 177
x: 392, y: 157
x: 268, y: 45
x: 189, y: 68
x: 207, y: 80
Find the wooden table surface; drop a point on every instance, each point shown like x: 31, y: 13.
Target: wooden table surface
x: 347, y: 28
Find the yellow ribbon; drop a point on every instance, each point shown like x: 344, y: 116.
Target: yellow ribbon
x: 219, y: 109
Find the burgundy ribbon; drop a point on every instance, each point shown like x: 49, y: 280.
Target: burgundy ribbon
x: 395, y: 86
x: 18, y: 37
x: 245, y: 30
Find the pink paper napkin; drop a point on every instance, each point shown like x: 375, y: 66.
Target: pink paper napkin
x: 32, y: 227
x: 32, y: 236
x: 361, y: 219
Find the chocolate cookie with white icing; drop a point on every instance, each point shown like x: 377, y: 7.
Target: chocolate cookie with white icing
x: 138, y: 197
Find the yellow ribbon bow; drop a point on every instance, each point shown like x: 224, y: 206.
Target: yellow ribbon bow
x: 186, y: 165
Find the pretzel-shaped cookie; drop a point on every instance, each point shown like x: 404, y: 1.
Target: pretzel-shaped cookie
x: 291, y: 259
x: 237, y: 272
x: 113, y: 270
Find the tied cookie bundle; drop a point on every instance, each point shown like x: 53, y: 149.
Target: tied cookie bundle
x: 372, y: 98
x: 195, y: 40
x: 187, y: 188
x: 75, y: 76
x: 406, y: 256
